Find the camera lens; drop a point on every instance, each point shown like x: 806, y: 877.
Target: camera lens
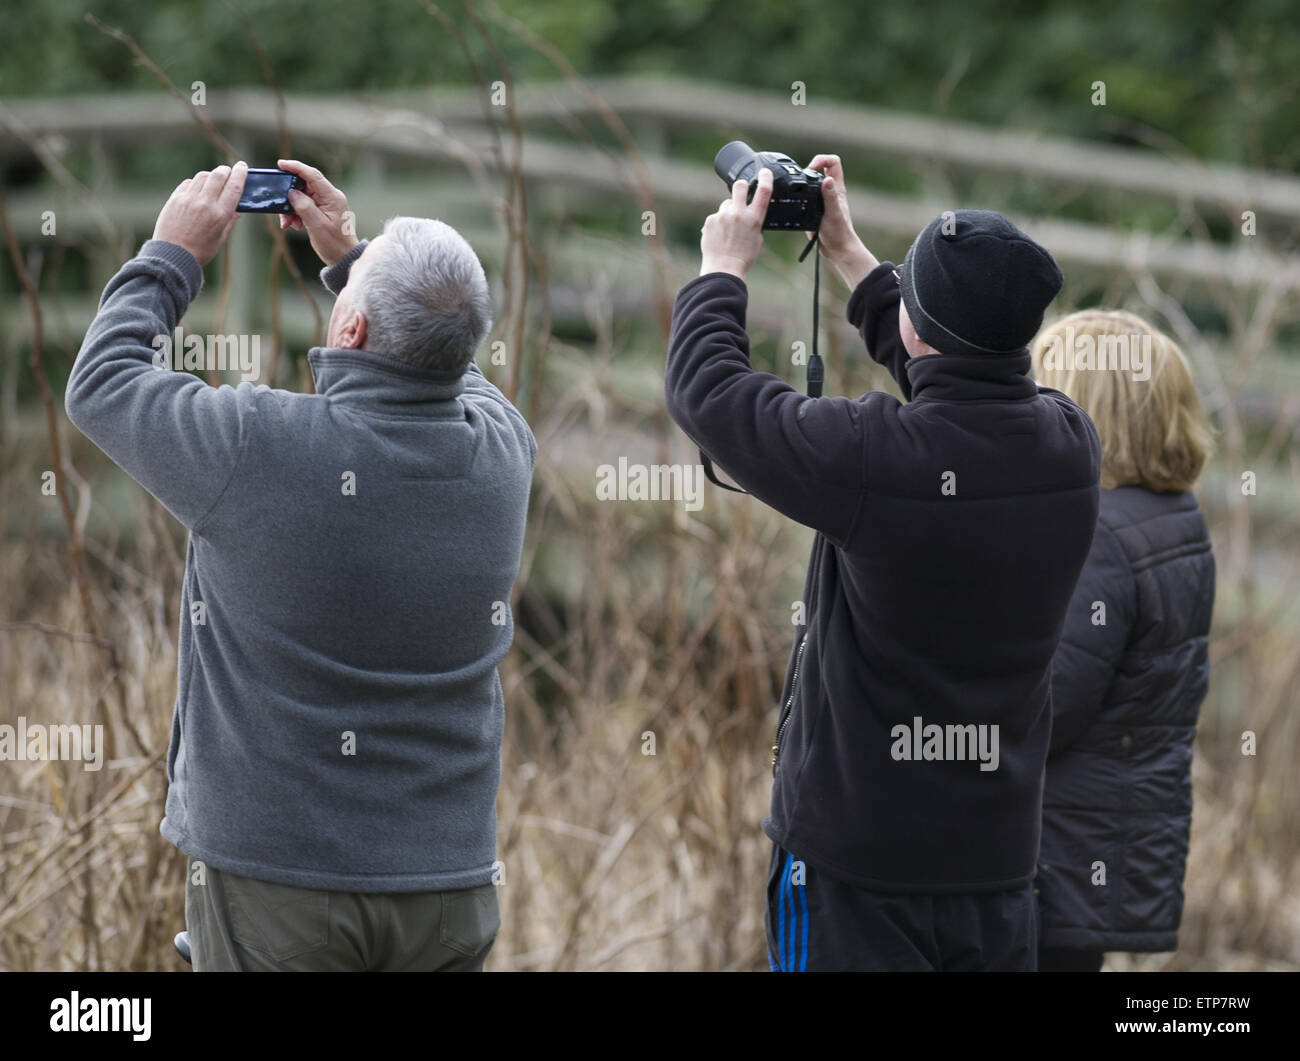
x: 734, y: 160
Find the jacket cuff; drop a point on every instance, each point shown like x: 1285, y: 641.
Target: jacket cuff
x: 710, y: 280
x: 699, y: 281
x: 335, y: 277
x: 877, y: 288
x: 191, y: 272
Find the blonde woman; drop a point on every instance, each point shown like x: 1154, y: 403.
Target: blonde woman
x: 1132, y: 668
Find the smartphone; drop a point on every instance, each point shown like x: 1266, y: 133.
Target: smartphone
x: 266, y: 191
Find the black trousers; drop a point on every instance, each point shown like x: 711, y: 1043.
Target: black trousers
x: 816, y: 922
x: 1060, y: 960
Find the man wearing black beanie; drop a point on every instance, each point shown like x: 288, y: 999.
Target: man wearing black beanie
x: 952, y: 527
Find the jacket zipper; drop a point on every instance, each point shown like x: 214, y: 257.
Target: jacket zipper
x: 789, y: 704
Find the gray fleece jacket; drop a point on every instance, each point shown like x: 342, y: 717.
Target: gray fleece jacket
x: 339, y: 715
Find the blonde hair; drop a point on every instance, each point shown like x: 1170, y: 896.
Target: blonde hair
x: 1137, y: 386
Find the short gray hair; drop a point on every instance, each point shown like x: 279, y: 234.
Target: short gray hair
x: 425, y: 298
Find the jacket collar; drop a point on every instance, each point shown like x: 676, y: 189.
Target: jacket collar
x: 955, y: 378
x: 373, y: 380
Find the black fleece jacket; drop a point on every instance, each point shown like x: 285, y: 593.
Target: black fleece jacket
x: 951, y: 532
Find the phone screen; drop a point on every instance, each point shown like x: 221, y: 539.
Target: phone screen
x: 266, y: 191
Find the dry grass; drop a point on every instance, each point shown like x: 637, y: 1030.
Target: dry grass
x: 633, y: 619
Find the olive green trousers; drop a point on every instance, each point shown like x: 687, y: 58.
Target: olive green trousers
x: 237, y: 924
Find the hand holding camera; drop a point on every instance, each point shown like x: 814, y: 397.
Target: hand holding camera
x: 733, y: 236
x: 811, y: 200
x: 322, y: 210
x: 769, y: 190
x: 796, y: 201
x: 201, y: 211
x: 838, y: 241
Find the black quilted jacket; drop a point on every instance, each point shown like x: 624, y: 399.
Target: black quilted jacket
x: 1127, y: 683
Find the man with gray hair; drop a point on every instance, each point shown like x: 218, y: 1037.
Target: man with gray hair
x: 336, y: 738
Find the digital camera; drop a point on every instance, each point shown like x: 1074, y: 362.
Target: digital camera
x: 796, y: 192
x: 266, y: 191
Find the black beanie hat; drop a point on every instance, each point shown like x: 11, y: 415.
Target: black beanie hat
x: 975, y: 284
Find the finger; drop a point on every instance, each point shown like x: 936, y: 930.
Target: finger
x: 739, y: 192
x: 830, y: 197
x: 200, y: 179
x: 315, y: 178
x: 762, y: 196
x: 234, y: 186
x: 305, y: 207
x: 830, y: 163
x: 216, y: 181
x: 301, y: 169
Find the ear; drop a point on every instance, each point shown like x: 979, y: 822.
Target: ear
x: 913, y: 343
x: 352, y: 335
x: 905, y: 331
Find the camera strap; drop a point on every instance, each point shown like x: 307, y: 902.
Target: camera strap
x: 816, y: 370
